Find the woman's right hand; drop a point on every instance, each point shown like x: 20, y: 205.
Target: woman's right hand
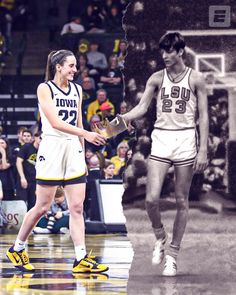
x: 95, y: 138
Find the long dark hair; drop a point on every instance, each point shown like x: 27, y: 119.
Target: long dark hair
x: 54, y: 58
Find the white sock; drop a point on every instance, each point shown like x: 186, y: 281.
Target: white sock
x: 19, y: 245
x: 80, y: 252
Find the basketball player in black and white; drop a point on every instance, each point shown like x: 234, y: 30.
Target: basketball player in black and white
x: 180, y: 100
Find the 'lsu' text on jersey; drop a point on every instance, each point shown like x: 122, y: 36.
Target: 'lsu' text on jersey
x: 66, y: 105
x: 176, y: 104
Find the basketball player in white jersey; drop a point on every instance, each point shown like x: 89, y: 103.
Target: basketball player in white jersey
x: 181, y: 96
x: 60, y: 160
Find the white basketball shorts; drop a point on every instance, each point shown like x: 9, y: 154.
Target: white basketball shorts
x: 174, y: 147
x: 60, y: 161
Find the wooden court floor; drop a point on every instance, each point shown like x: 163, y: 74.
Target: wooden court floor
x: 53, y: 257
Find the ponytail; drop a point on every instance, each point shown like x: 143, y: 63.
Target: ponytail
x: 54, y: 58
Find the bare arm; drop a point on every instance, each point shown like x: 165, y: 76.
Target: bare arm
x: 49, y: 109
x: 3, y: 163
x: 141, y: 108
x: 19, y: 166
x: 200, y: 89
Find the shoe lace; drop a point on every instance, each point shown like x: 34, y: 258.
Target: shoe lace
x: 91, y: 258
x: 24, y: 257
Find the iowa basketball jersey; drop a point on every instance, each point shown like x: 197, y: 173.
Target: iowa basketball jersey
x: 66, y: 106
x: 176, y: 104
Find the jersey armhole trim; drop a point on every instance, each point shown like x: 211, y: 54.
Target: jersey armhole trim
x: 50, y: 89
x: 190, y: 72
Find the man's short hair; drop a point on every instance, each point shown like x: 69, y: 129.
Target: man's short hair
x: 172, y: 40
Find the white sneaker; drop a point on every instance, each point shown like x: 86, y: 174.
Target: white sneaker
x: 64, y: 230
x: 159, y: 251
x: 170, y: 267
x: 41, y: 230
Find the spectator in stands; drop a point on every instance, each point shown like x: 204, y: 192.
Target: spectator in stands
x: 108, y: 170
x: 57, y: 218
x: 96, y: 58
x: 112, y: 77
x: 119, y: 159
x: 89, y: 92
x: 89, y: 152
x: 27, y: 136
x: 6, y: 170
x: 25, y: 164
x: 94, y: 107
x: 106, y: 112
x: 74, y: 26
x: 113, y: 21
x: 20, y: 140
x: 128, y: 156
x: 121, y: 54
x: 92, y: 19
x: 82, y: 64
x: 94, y: 166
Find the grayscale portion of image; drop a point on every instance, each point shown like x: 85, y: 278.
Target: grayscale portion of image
x: 204, y: 262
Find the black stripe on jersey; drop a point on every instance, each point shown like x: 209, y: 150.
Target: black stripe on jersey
x: 77, y: 90
x: 50, y: 89
x: 159, y: 159
x: 183, y: 161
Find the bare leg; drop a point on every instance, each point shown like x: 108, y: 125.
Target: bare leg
x: 155, y: 179
x: 44, y: 197
x: 75, y: 194
x: 182, y: 187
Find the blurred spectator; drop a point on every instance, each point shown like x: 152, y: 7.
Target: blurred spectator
x: 20, y: 140
x: 6, y: 19
x: 82, y: 64
x: 119, y: 159
x: 96, y: 58
x: 73, y: 27
x: 106, y: 112
x: 112, y: 22
x: 57, y: 218
x: 121, y: 54
x: 108, y: 170
x: 25, y: 164
x: 27, y: 136
x: 128, y: 156
x: 112, y: 76
x: 89, y: 152
x: 89, y: 92
x: 92, y: 19
x: 94, y: 107
x: 94, y: 171
x: 6, y: 170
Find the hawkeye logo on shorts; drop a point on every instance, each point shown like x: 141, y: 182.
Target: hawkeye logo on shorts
x: 41, y: 158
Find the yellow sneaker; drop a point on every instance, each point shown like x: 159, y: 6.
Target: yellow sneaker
x: 88, y: 265
x: 20, y: 260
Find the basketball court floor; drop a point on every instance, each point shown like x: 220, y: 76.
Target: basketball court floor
x: 53, y: 257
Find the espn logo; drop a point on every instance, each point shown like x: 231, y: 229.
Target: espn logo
x: 219, y: 16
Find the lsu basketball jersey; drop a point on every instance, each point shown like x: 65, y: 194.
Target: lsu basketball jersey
x: 176, y: 104
x: 66, y: 105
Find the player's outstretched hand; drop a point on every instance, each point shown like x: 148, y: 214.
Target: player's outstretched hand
x: 95, y: 138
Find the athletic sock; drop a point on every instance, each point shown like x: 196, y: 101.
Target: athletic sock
x: 173, y: 251
x: 19, y: 245
x: 80, y: 252
x: 159, y: 233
